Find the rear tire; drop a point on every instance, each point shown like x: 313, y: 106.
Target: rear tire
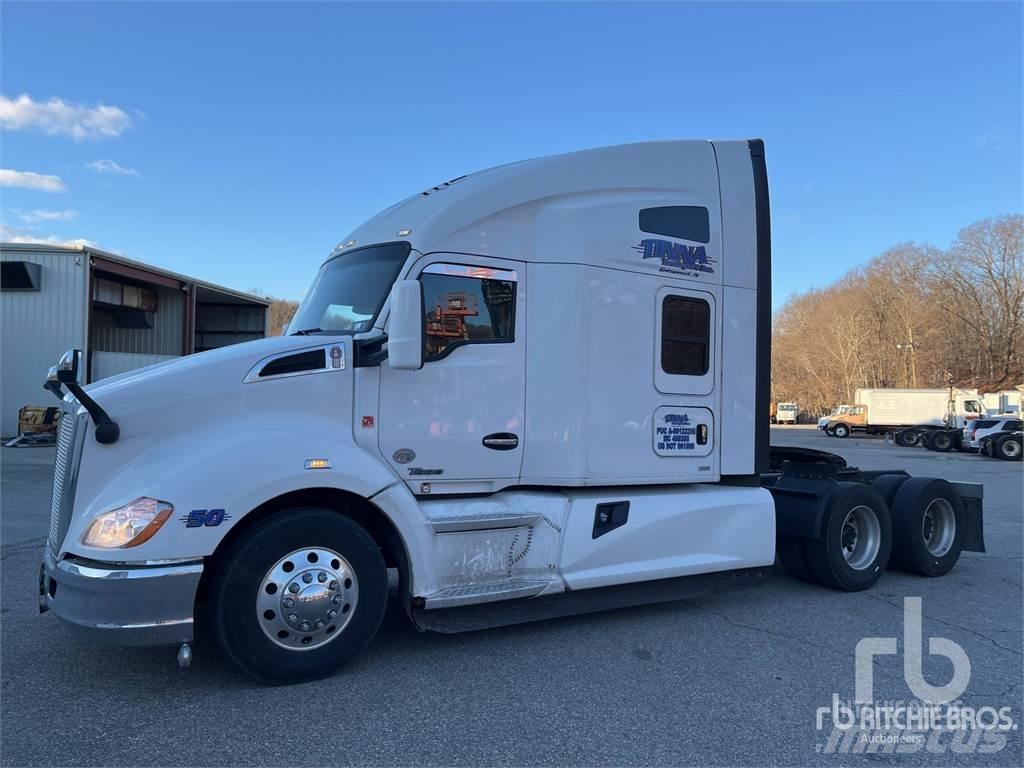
x: 927, y: 534
x: 856, y: 539
x: 347, y: 578
x: 942, y: 442
x: 887, y: 485
x: 908, y: 438
x: 926, y: 440
x: 841, y: 431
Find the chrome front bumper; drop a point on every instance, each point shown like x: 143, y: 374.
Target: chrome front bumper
x: 121, y: 604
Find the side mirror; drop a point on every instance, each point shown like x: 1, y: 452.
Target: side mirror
x: 67, y: 367
x: 405, y: 326
x: 52, y: 383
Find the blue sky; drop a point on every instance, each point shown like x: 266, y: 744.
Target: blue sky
x: 260, y: 134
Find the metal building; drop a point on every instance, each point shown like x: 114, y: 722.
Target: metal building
x: 121, y: 313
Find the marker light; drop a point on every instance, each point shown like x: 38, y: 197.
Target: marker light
x: 404, y: 232
x: 318, y: 464
x: 128, y: 526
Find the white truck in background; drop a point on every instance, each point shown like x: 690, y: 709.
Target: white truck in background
x: 787, y: 413
x: 906, y: 412
x: 536, y: 390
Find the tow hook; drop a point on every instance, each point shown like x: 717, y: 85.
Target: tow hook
x: 184, y: 656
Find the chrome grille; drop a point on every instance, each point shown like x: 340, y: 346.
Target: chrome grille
x: 64, y: 470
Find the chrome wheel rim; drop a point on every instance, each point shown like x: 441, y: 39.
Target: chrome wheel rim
x: 307, y: 599
x: 938, y: 527
x: 861, y: 537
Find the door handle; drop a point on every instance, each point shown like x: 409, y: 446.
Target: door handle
x: 501, y: 441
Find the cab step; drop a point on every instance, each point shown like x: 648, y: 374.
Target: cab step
x: 484, y: 593
x: 488, y: 521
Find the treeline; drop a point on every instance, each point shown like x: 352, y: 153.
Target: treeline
x: 909, y: 318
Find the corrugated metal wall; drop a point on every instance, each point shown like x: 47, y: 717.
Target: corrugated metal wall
x: 106, y: 364
x: 164, y: 338
x: 37, y: 327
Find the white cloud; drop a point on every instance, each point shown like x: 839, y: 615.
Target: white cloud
x: 15, y: 235
x: 109, y: 166
x: 42, y: 214
x: 30, y: 180
x: 57, y: 116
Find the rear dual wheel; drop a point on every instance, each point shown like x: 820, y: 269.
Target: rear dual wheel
x: 915, y: 520
x: 928, y: 538
x: 908, y: 438
x: 941, y: 441
x: 854, y: 546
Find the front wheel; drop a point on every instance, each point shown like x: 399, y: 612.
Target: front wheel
x: 841, y: 430
x: 298, y: 595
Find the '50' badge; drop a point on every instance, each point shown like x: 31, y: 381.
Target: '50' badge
x: 199, y: 518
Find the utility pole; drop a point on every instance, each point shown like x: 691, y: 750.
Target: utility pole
x: 913, y: 359
x: 950, y: 404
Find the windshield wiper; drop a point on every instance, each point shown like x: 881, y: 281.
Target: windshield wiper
x: 306, y: 332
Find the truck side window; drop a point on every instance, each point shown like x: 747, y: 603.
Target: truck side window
x: 466, y: 310
x: 685, y: 335
x: 686, y: 222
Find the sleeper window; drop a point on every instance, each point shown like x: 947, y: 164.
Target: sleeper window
x: 463, y: 310
x: 685, y: 335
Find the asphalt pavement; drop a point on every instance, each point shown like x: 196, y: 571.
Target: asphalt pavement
x: 729, y: 679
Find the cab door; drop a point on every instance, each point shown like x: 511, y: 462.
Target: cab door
x: 456, y: 424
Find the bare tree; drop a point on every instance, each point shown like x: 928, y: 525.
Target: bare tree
x: 907, y: 317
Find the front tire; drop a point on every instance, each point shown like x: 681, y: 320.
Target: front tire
x: 841, y: 431
x: 298, y: 596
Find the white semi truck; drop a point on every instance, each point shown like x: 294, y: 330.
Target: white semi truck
x: 536, y: 390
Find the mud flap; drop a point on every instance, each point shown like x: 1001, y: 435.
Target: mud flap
x: 972, y: 495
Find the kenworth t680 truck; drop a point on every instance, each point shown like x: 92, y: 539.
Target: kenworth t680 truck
x: 535, y: 390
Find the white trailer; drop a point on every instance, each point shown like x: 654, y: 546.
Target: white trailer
x: 535, y: 390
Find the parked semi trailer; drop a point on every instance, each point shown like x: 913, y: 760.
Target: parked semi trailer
x: 537, y: 390
x: 880, y: 411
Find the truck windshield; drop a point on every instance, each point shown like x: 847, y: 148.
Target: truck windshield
x: 349, y: 291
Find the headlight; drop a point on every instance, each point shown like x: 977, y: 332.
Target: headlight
x: 128, y: 526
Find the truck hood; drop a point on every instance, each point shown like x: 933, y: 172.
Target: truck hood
x: 209, y: 384
x: 226, y: 359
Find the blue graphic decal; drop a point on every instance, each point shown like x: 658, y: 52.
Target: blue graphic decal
x: 676, y: 256
x: 199, y: 518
